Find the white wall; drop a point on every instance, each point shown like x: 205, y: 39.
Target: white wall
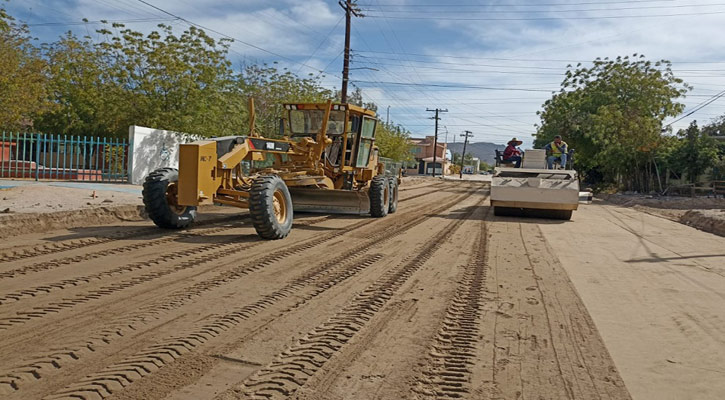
x: 151, y: 149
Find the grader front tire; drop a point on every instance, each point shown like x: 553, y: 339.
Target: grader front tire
x: 379, y: 196
x: 160, y: 200
x: 270, y: 206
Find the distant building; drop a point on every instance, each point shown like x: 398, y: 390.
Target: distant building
x: 473, y: 168
x: 422, y: 150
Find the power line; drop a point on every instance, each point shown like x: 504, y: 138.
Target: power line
x: 458, y: 86
x: 227, y: 36
x: 548, y: 18
x: 522, y: 59
x: 699, y: 107
x: 459, y: 11
x: 103, y: 21
x: 517, y: 5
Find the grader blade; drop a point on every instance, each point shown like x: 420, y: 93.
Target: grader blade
x: 330, y: 201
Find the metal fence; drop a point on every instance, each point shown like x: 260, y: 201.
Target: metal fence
x: 61, y: 157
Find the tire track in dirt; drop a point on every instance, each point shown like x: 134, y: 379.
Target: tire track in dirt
x: 447, y: 371
x: 15, y: 254
x: 58, y: 262
x: 218, y: 251
x: 75, y: 282
x: 48, y: 265
x: 293, y: 367
x: 119, y: 375
x: 324, y: 276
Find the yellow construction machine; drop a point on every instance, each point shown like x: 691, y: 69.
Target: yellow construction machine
x: 325, y: 161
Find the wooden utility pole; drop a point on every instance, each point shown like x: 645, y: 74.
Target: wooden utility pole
x: 467, y: 134
x: 350, y: 9
x: 435, y: 140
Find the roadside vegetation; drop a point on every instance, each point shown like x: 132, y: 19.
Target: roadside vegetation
x: 613, y: 114
x: 181, y: 82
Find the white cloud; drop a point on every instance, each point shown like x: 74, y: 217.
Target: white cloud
x: 296, y: 29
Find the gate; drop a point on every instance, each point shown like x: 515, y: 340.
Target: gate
x: 61, y: 157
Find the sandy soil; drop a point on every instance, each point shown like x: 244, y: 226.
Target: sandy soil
x: 439, y: 300
x: 712, y: 221
x: 656, y: 291
x: 44, y: 198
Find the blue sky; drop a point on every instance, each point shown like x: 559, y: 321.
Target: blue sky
x: 490, y: 63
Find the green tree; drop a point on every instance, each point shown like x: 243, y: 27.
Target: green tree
x: 393, y: 142
x: 484, y: 166
x: 271, y: 88
x: 181, y: 83
x: 612, y: 114
x: 23, y: 76
x: 696, y: 153
x: 467, y: 160
x: 78, y: 88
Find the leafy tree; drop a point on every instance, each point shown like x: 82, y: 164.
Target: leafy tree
x: 393, y: 142
x: 182, y: 83
x: 23, y: 76
x: 484, y: 166
x: 695, y: 153
x: 78, y: 88
x: 271, y: 87
x: 612, y: 113
x: 467, y: 160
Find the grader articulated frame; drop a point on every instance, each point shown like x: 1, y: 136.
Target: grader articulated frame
x: 325, y: 161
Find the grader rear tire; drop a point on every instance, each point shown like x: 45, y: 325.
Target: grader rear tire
x: 160, y: 200
x: 393, y: 206
x: 379, y: 196
x: 270, y: 206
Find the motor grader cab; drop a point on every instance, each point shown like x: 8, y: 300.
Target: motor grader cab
x: 326, y: 161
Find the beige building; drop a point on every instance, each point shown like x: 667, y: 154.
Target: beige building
x: 422, y: 150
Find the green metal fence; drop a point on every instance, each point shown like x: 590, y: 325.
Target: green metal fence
x: 62, y: 157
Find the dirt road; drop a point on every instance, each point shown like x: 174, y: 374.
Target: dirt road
x: 656, y: 290
x: 440, y: 300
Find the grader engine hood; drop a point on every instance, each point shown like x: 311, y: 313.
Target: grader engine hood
x: 201, y: 163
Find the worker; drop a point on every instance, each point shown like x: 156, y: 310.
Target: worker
x: 512, y: 154
x: 557, y: 150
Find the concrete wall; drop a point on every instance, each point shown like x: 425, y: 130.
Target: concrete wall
x: 150, y: 149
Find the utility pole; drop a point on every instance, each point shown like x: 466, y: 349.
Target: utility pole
x: 387, y: 118
x: 435, y: 140
x: 467, y: 134
x: 350, y: 9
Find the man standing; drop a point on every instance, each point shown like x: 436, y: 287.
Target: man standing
x: 511, y: 154
x: 557, y: 150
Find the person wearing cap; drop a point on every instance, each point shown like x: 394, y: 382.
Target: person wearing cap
x: 512, y: 154
x: 557, y: 150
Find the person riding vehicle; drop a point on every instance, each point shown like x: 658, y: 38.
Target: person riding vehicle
x: 557, y: 150
x: 512, y: 154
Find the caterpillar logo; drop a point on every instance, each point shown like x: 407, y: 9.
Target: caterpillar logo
x: 205, y: 158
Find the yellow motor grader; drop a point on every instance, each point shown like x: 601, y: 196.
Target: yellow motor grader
x: 326, y: 161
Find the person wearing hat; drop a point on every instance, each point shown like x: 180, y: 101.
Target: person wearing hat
x: 557, y: 150
x: 512, y: 154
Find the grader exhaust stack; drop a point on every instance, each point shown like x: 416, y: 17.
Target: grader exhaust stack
x: 326, y: 161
